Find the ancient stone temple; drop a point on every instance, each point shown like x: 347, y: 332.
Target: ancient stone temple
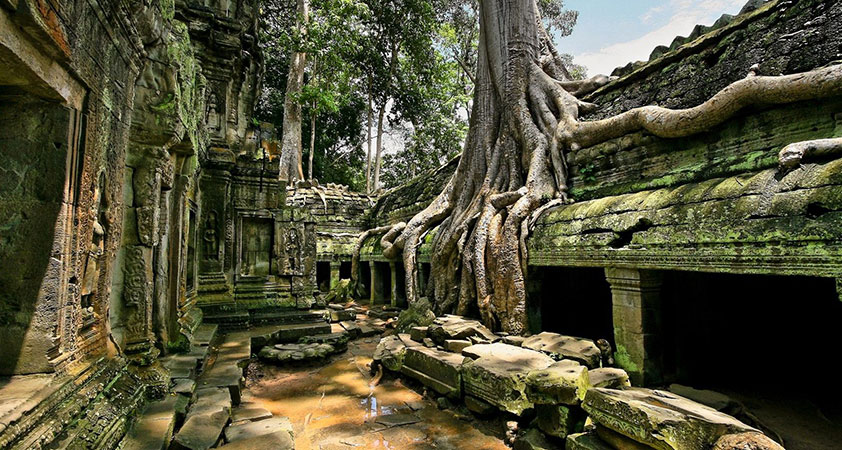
x: 160, y: 288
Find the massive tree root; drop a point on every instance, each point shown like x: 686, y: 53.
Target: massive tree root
x: 525, y: 118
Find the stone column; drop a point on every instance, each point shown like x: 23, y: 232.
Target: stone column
x: 334, y: 273
x: 637, y: 330
x: 374, y: 283
x: 393, y: 278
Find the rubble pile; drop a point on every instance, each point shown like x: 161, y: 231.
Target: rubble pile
x: 557, y: 386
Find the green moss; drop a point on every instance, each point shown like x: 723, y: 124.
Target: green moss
x: 624, y: 360
x: 180, y: 345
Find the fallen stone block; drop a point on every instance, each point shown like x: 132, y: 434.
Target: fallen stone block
x: 586, y: 441
x: 660, y: 419
x: 498, y: 375
x: 418, y: 334
x: 564, y: 382
x: 366, y: 330
x: 746, y: 441
x: 352, y: 328
x: 458, y: 328
x: 456, y: 346
x: 275, y: 441
x: 226, y: 376
x: 250, y: 430
x: 390, y: 353
x: 436, y: 369
x: 559, y: 420
x: 515, y: 340
x: 559, y: 347
x: 200, y: 431
x: 617, y: 440
x: 478, y: 406
x: 154, y: 428
x: 533, y: 439
x: 609, y: 377
x: 397, y: 420
x: 342, y: 315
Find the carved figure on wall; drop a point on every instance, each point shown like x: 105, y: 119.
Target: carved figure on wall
x: 211, y: 238
x: 293, y: 251
x: 213, y: 112
x: 96, y: 248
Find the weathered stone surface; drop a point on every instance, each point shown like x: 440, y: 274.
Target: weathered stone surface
x: 390, y: 352
x: 342, y: 315
x: 608, y: 377
x: 154, y: 427
x: 436, y: 369
x: 559, y: 420
x: 746, y: 441
x: 251, y: 413
x: 478, y: 406
x: 533, y: 439
x: 660, y: 419
x: 352, y: 328
x: 715, y: 400
x: 459, y: 328
x: 210, y: 400
x: 280, y: 440
x: 396, y: 420
x: 586, y: 441
x: 558, y: 346
x: 201, y: 431
x: 456, y: 346
x: 498, y: 375
x: 515, y: 340
x: 617, y: 440
x: 564, y: 382
x: 337, y: 340
x: 250, y: 430
x: 295, y: 352
x: 418, y: 334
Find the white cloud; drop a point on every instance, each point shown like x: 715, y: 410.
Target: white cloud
x: 685, y: 14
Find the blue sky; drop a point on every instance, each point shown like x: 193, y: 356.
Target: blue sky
x: 612, y: 33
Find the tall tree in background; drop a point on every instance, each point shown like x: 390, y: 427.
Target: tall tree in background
x: 511, y: 165
x: 291, y: 152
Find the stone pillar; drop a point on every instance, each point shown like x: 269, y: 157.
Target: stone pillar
x: 637, y: 329
x: 393, y: 278
x: 375, y: 285
x: 334, y: 274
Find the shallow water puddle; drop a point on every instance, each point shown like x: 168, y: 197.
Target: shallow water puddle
x: 336, y: 407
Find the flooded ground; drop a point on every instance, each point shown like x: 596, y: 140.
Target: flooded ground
x: 333, y: 406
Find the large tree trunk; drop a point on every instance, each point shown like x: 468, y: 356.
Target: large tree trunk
x: 291, y: 150
x: 378, y: 159
x: 368, y: 145
x: 506, y: 172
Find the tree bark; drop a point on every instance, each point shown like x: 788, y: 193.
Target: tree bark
x: 291, y: 148
x: 505, y: 173
x: 368, y: 144
x: 379, y: 148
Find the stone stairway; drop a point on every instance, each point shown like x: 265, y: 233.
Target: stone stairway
x: 207, y: 407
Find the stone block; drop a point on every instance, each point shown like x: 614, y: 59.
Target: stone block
x: 478, y: 406
x: 390, y: 352
x: 517, y: 341
x: 436, y: 369
x: 338, y: 340
x: 609, y: 377
x: 283, y: 353
x: 341, y: 315
x: 249, y: 430
x: 200, y: 431
x: 558, y: 346
x: 559, y: 420
x: 586, y: 441
x: 564, y: 382
x: 418, y: 334
x: 251, y: 414
x: 533, y: 439
x: 352, y: 328
x: 456, y: 346
x: 460, y: 328
x: 498, y: 375
x: 660, y: 419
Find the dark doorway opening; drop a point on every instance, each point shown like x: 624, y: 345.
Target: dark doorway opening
x: 760, y: 340
x: 323, y: 275
x: 365, y: 279
x: 345, y: 270
x: 571, y: 301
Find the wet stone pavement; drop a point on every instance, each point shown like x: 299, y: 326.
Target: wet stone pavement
x: 337, y: 405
